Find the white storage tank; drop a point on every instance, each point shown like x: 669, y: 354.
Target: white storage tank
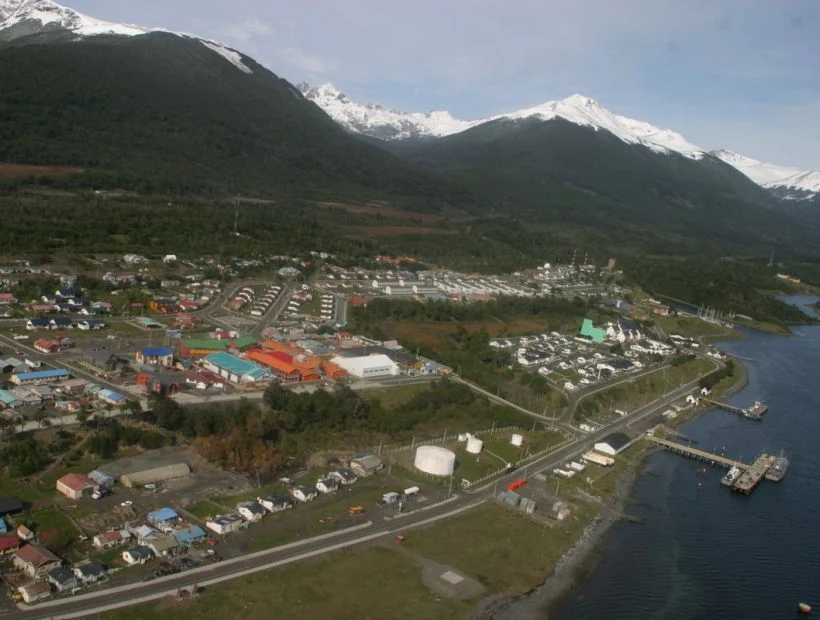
x: 517, y: 439
x: 474, y: 445
x: 435, y: 460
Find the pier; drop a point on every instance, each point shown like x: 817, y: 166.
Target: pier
x: 755, y: 412
x: 750, y: 478
x: 694, y: 453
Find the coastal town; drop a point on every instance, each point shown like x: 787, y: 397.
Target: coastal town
x: 87, y: 354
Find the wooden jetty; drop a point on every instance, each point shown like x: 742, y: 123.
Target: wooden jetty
x: 755, y: 412
x: 694, y: 453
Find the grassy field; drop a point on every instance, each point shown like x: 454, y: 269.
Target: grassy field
x: 434, y: 335
x: 505, y: 551
x: 689, y: 327
x: 53, y: 528
x: 357, y: 585
x: 392, y: 397
x: 634, y: 393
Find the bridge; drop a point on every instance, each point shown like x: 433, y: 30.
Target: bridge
x: 694, y: 453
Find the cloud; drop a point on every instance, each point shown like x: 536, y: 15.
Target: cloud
x: 313, y: 66
x: 248, y: 29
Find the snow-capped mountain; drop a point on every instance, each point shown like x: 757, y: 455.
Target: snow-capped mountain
x: 26, y: 18
x: 375, y: 121
x: 783, y: 181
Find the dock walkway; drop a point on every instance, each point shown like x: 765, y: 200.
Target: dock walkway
x: 755, y: 412
x: 698, y: 454
x: 752, y: 476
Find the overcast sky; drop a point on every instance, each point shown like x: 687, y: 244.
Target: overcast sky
x: 737, y: 74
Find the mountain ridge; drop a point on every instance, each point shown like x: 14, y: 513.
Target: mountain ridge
x: 375, y: 121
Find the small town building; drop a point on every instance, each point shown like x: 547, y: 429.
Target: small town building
x: 137, y: 555
x: 157, y: 474
x: 62, y: 579
x: 275, y: 503
x: 225, y: 524
x: 304, y: 493
x: 156, y: 356
x: 364, y: 466
x: 190, y: 536
x: 102, y: 479
x: 91, y: 571
x: 107, y: 540
x: 35, y: 560
x: 612, y: 444
x: 164, y: 519
x: 24, y: 533
x: 236, y: 370
x: 10, y: 506
x: 9, y: 543
x: 251, y: 511
x: 75, y: 486
x: 41, y: 376
x: 161, y: 545
x: 327, y: 485
x: 194, y: 349
x: 34, y: 592
x: 590, y: 332
x: 343, y: 476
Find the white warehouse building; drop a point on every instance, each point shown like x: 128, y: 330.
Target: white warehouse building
x: 366, y: 366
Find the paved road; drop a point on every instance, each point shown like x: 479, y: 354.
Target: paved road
x: 103, y: 600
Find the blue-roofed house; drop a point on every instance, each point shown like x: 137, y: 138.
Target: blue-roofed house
x: 235, y: 369
x: 9, y: 400
x: 190, y: 536
x: 164, y: 518
x: 156, y: 356
x: 41, y: 376
x: 38, y: 323
x: 60, y: 322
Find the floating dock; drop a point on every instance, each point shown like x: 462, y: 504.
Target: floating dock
x: 745, y: 483
x: 755, y: 412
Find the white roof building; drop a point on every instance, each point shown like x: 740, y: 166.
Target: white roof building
x: 366, y: 366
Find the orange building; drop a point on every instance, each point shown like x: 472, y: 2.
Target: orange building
x: 284, y: 371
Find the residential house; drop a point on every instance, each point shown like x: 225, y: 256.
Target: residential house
x: 90, y: 325
x: 107, y: 540
x: 9, y: 401
x: 35, y: 560
x: 623, y: 330
x: 343, y: 476
x: 161, y: 545
x: 164, y: 519
x: 327, y: 485
x: 9, y: 543
x: 225, y: 524
x: 304, y: 493
x: 75, y: 486
x: 60, y: 322
x: 190, y: 536
x: 91, y: 571
x: 275, y: 503
x: 62, y: 579
x: 251, y: 511
x: 34, y: 592
x: 364, y: 466
x: 24, y: 534
x: 137, y: 555
x: 38, y: 323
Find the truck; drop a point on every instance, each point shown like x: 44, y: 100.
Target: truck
x: 355, y: 510
x: 516, y: 484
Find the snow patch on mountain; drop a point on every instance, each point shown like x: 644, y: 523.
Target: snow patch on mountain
x: 379, y: 122
x: 790, y: 183
x: 386, y: 124
x: 588, y: 112
x: 232, y: 56
x: 51, y: 15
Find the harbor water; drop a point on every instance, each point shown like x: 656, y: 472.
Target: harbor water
x: 701, y: 551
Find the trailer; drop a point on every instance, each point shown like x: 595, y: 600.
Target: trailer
x: 598, y: 459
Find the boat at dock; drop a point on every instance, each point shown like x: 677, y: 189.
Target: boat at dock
x: 756, y: 411
x: 778, y: 470
x: 731, y: 476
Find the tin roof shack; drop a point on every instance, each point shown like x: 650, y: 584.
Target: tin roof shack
x: 34, y: 592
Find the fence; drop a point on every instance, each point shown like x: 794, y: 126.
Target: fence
x: 385, y: 450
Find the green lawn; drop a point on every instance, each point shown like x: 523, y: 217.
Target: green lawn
x: 14, y: 487
x: 688, y: 327
x: 505, y: 551
x: 390, y: 398
x: 54, y: 529
x: 362, y: 584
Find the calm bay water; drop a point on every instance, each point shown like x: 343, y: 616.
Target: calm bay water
x: 704, y: 552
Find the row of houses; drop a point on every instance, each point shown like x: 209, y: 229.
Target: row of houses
x: 42, y: 323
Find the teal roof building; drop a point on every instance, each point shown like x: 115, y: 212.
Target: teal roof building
x: 596, y: 334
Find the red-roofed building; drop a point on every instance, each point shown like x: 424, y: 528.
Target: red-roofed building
x: 35, y: 560
x: 75, y: 486
x: 284, y: 371
x: 9, y: 543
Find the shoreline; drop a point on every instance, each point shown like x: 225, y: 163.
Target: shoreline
x: 576, y: 564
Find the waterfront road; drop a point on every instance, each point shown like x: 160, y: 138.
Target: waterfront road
x: 103, y: 600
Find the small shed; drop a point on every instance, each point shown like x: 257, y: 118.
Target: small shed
x: 101, y: 478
